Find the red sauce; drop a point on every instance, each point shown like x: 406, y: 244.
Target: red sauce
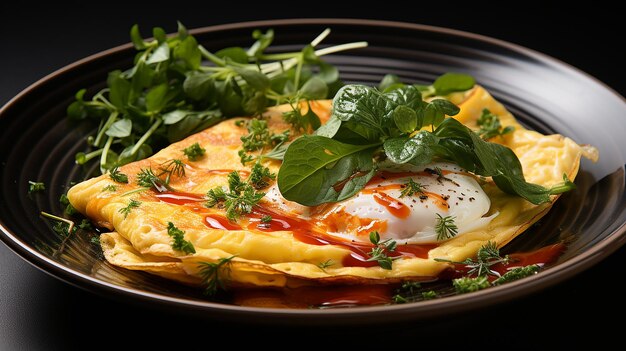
x: 318, y: 296
x: 393, y: 206
x: 303, y: 230
x: 355, y: 295
x: 542, y: 256
x: 217, y: 221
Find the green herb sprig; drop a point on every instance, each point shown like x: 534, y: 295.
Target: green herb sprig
x: 411, y: 188
x: 129, y: 208
x: 445, y: 227
x: 241, y: 196
x: 490, y: 126
x: 34, y: 187
x: 214, y: 275
x: 480, y: 268
x: 177, y: 87
x: 179, y: 243
x: 194, y: 152
x: 381, y: 250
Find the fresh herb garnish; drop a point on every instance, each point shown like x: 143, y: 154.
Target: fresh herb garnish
x: 381, y: 249
x: 260, y: 176
x: 517, y: 273
x: 85, y: 224
x: 487, y: 256
x: 69, y: 209
x: 126, y: 210
x: 147, y: 178
x: 429, y: 295
x: 412, y: 292
x: 259, y: 137
x: 411, y: 188
x: 63, y: 227
x: 194, y: 152
x: 179, y: 243
x: 466, y: 284
x: 325, y: 264
x: 118, y: 176
x: 266, y: 219
x: 177, y: 87
x: 480, y: 268
x: 240, y: 198
x: 110, y: 187
x: 172, y: 167
x: 34, y: 187
x: 309, y: 121
x: 445, y: 227
x: 212, y: 274
x: 490, y: 126
x: 368, y: 126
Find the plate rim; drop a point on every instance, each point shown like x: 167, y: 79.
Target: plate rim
x: 423, y: 309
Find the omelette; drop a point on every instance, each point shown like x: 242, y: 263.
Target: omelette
x: 285, y: 244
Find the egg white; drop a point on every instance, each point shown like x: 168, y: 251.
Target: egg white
x: 465, y: 201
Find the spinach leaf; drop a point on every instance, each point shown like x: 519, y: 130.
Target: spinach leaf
x: 418, y: 149
x: 317, y: 170
x: 363, y: 105
x: 452, y: 82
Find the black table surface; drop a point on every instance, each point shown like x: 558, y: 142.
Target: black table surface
x: 38, y: 311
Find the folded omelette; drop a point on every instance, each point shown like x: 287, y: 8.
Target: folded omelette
x: 302, y: 251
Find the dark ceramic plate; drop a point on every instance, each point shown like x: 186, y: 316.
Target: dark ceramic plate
x: 546, y: 95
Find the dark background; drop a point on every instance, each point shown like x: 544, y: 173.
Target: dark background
x: 40, y: 312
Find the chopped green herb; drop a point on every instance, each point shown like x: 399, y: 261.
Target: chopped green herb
x: 34, y: 187
x: 445, y: 227
x: 429, y: 295
x: 126, y: 210
x: 240, y: 198
x: 300, y: 122
x: 179, y: 244
x: 408, y: 292
x: 118, y: 176
x: 69, y: 209
x: 147, y: 179
x: 411, y: 188
x: 194, y: 152
x: 85, y: 224
x: 212, y: 274
x: 490, y: 126
x: 260, y: 176
x: 266, y: 219
x: 62, y: 227
x: 95, y: 240
x: 487, y: 256
x: 325, y: 264
x: 110, y: 187
x: 467, y: 284
x: 172, y: 167
x: 381, y: 249
x: 517, y: 273
x: 258, y: 138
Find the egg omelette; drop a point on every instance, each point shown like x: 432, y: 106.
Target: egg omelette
x: 302, y: 245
